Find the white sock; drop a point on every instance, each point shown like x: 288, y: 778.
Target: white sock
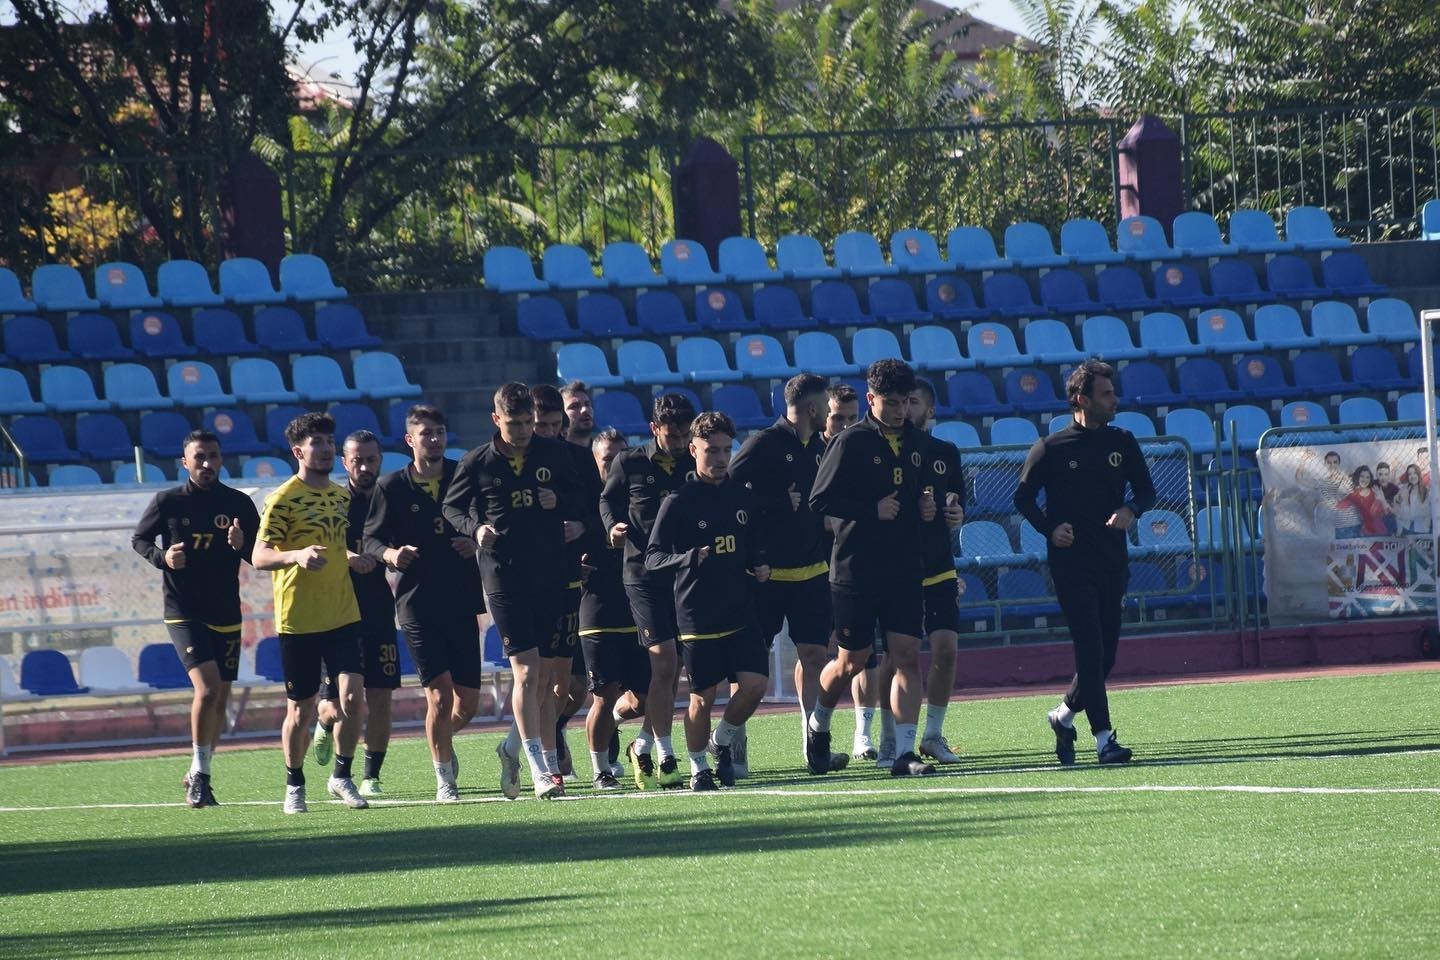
x: 887, y: 724
x: 904, y: 738
x: 615, y: 712
x: 444, y: 773
x: 1064, y: 715
x: 644, y: 742
x: 535, y: 753
x: 1102, y: 737
x: 820, y: 718
x: 552, y: 761
x: 200, y: 760
x: 512, y: 741
x: 864, y: 716
x: 666, y: 749
x: 698, y: 762
x: 725, y: 733
x: 600, y: 760
x: 934, y: 720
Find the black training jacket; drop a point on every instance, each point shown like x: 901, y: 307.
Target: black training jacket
x: 769, y: 463
x: 942, y: 474
x: 372, y: 591
x: 207, y: 590
x: 639, y: 480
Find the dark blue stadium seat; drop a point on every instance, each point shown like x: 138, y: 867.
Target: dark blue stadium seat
x: 1310, y: 228
x: 1178, y: 285
x: 1317, y: 373
x: 628, y: 265
x: 32, y: 340
x: 660, y: 312
x: 935, y: 348
x: 304, y: 276
x: 1050, y: 341
x: 1290, y: 277
x: 220, y: 332
x: 1030, y: 245
x: 601, y: 315
x: 643, y: 362
x: 719, y: 309
x: 835, y: 304
x: 778, y: 307
x: 615, y: 408
x: 892, y: 301
x: 1166, y: 335
x: 973, y: 248
x: 688, y: 262
x: 157, y: 335
x: 507, y: 270
x: 1234, y: 281
x: 349, y: 417
x: 800, y: 256
x: 1009, y: 295
x: 1024, y: 594
x: 1348, y: 275
x: 1064, y: 291
x: 47, y: 673
x: 237, y: 432
x: 950, y: 298
x: 43, y: 440
x: 1198, y: 235
x: 703, y: 360
x: 743, y: 260
x: 1260, y: 375
x: 567, y: 267
x: 320, y: 380
x: 258, y: 380
x: 1202, y: 379
x: 858, y: 254
x: 93, y: 336
x: 1278, y: 327
x: 1145, y: 384
x: 162, y: 433
x: 282, y: 330
x: 761, y: 357
x: 1222, y: 331
x: 1375, y: 367
x: 340, y: 326
x: 103, y: 436
x: 60, y: 288
x: 993, y: 345
x: 194, y: 383
x: 1143, y: 238
x: 70, y: 390
x: 1253, y: 231
x: 1109, y: 338
x: 543, y: 318
x: 245, y: 280
x: 276, y: 418
x: 12, y: 298
x: 122, y: 286
x: 1032, y: 391
x: 820, y: 353
x: 972, y: 394
x: 742, y: 404
x: 1120, y: 288
x: 916, y: 251
x: 976, y: 608
x: 1088, y: 242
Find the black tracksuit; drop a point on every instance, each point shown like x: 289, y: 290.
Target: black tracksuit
x: 207, y: 589
x: 372, y: 591
x: 770, y: 462
x: 1084, y: 474
x: 943, y: 474
x: 639, y: 481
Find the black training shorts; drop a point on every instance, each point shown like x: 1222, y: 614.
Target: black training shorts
x: 613, y: 656
x: 380, y: 650
x: 527, y: 620
x: 709, y: 662
x: 652, y: 605
x: 445, y: 643
x: 197, y: 643
x: 897, y: 607
x: 804, y: 604
x: 301, y: 655
x: 942, y: 606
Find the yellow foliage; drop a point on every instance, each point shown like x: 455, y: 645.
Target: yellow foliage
x: 81, y: 227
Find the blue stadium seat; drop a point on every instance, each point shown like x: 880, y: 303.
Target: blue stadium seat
x: 1430, y: 220
x: 950, y: 298
x: 585, y: 361
x: 1148, y: 584
x: 60, y: 288
x: 973, y: 248
x: 1024, y: 593
x: 820, y: 353
x: 131, y: 386
x: 685, y: 392
x: 257, y: 380
x: 1009, y: 295
x: 340, y: 326
x: 1120, y: 288
x: 276, y: 419
x: 269, y: 468
x: 993, y: 488
x: 1290, y: 277
x: 1253, y: 231
x: 1362, y: 410
x: 319, y: 379
x: 12, y: 298
x: 1198, y: 235
x: 916, y: 251
x: 935, y: 348
x: 1278, y: 327
x: 348, y: 417
x: 162, y: 433
x: 626, y: 264
x: 1202, y: 379
x: 688, y: 262
x: 237, y: 432
x: 1234, y: 281
x: 42, y: 440
x: 220, y: 332
x: 15, y: 396
x: 380, y: 376
x: 1196, y: 427
x: 660, y: 312
x: 157, y: 335
x: 1160, y: 532
x: 993, y: 345
x: 73, y: 475
x: 1260, y: 375
x: 70, y: 390
x: 1088, y: 242
x: 893, y: 301
x: 47, y: 673
x: 1013, y: 431
x: 122, y: 286
x: 1166, y: 335
x: 761, y: 357
x: 567, y: 267
x: 973, y: 395
x: 1391, y: 321
x: 958, y: 432
x: 976, y: 608
x: 1223, y: 332
x: 835, y: 304
x: 1145, y: 384
x: 871, y: 344
x: 507, y: 270
x: 1034, y: 544
x: 742, y: 404
x: 103, y: 436
x: 1058, y: 423
x: 1317, y: 373
x: 800, y: 255
x: 193, y: 383
x: 1143, y: 238
x: 543, y: 318
x: 1179, y: 286
x: 858, y: 254
x: 267, y: 660
x: 152, y: 475
x: 1246, y: 423
x: 601, y: 315
x: 743, y: 260
x: 702, y: 360
x: 777, y: 307
x: 185, y: 283
x: 1310, y: 228
x: 282, y: 330
x: 1029, y: 244
x: 1375, y: 367
x: 304, y: 276
x: 93, y: 336
x: 1050, y: 341
x: 1032, y: 391
x: 1064, y: 291
x: 985, y: 543
x: 1348, y: 275
x: 1136, y: 422
x: 1336, y: 325
x: 615, y: 408
x: 1108, y: 337
x: 643, y: 362
x: 1303, y: 413
x: 720, y: 309
x: 244, y: 280
x: 1410, y: 406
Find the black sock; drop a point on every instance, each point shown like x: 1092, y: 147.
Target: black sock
x: 294, y: 776
x: 327, y: 727
x: 342, y: 767
x: 373, y: 761
x: 614, y: 745
x: 563, y: 719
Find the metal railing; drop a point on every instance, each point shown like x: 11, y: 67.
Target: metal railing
x: 14, y: 464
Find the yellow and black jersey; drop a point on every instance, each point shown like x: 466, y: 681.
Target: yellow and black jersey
x: 771, y: 462
x: 296, y: 516
x: 639, y: 481
x: 207, y: 589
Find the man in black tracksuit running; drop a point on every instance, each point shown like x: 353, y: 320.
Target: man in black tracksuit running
x: 1084, y: 471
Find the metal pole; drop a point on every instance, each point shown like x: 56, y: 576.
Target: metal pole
x: 1427, y: 379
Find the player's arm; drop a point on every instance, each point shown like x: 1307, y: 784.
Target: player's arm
x: 834, y: 492
x: 458, y: 507
x: 1027, y: 494
x: 250, y: 526
x: 755, y: 467
x: 757, y: 540
x: 380, y: 539
x: 662, y: 552
x: 274, y: 527
x: 1137, y: 473
x: 615, y: 499
x: 150, y: 527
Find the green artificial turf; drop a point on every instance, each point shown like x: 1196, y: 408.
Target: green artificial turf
x: 1004, y: 856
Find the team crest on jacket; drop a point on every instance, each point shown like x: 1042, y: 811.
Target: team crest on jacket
x: 877, y: 461
x: 703, y: 524
x: 414, y: 508
x: 940, y: 467
x: 543, y: 474
x: 650, y: 479
x: 742, y: 517
x: 789, y: 458
x: 692, y: 476
x: 915, y: 458
x: 1116, y: 458
x: 221, y: 521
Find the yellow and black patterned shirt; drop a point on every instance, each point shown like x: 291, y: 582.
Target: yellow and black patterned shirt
x: 296, y: 516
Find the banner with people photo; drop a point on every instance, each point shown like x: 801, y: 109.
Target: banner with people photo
x: 1347, y: 530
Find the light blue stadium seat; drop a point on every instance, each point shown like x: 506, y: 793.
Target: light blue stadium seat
x: 620, y: 410
x: 543, y: 318
x: 193, y: 383
x: 185, y: 283
x: 719, y: 309
x: 1033, y: 543
x: 1392, y: 321
x: 1120, y: 288
x: 835, y: 304
x: 1009, y: 295
x: 950, y: 298
x: 820, y: 353
x: 871, y: 344
x: 1362, y: 410
x: 567, y: 267
x: 1335, y: 324
x: 1278, y: 327
x: 237, y: 431
x: 157, y: 335
x: 1318, y: 374
x: 122, y: 286
x: 1143, y: 238
x: 220, y: 332
x: 152, y: 475
x: 320, y: 380
x: 778, y: 307
x: 380, y: 376
x: 43, y: 440
x: 266, y: 468
x: 761, y: 357
x: 985, y: 543
x: 743, y: 260
x: 1146, y: 384
x: 1198, y: 235
x: 1108, y: 337
x: 131, y: 386
x: 958, y: 432
x: 643, y: 362
x: 1430, y: 220
x: 800, y: 256
x: 244, y: 280
x: 1212, y: 532
x: 742, y: 404
x: 1162, y: 531
x: 1166, y: 335
x: 1177, y: 285
x: 72, y: 475
x: 103, y: 436
x: 703, y: 360
x: 973, y: 248
x: 628, y: 265
x: 339, y: 326
x: 892, y: 301
x: 1310, y: 228
x: 1410, y: 406
x: 258, y: 380
x: 508, y: 270
x: 1136, y: 422
x: 1196, y: 427
x: 304, y: 276
x: 1030, y: 245
x: 600, y: 315
x: 93, y: 336
x: 1088, y: 242
x: 15, y: 396
x: 993, y: 345
x: 69, y: 390
x: 688, y: 262
x: 1064, y: 291
x: 585, y: 361
x: 1253, y: 231
x: 47, y: 673
x: 1246, y: 423
x: 58, y: 287
x: 915, y: 251
x: 1223, y: 332
x: 162, y: 433
x: 935, y: 348
x: 1303, y: 413
x: 1347, y: 274
x: 858, y: 254
x: 12, y: 298
x: 660, y: 312
x: 1289, y: 276
x: 1032, y: 391
x: 1008, y: 431
x: 1050, y: 341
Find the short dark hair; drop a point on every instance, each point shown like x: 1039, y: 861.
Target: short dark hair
x: 927, y: 388
x: 1331, y: 453
x: 547, y: 399
x: 198, y: 436
x: 889, y: 377
x: 803, y: 385
x: 1382, y: 465
x: 309, y: 425
x: 842, y: 392
x: 361, y: 436
x: 672, y: 409
x: 608, y: 435
x: 422, y: 412
x: 514, y: 398
x: 575, y: 386
x: 710, y: 423
x: 1081, y: 382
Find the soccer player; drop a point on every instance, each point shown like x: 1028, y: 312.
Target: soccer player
x: 302, y: 537
x: 639, y: 479
x: 512, y: 495
x: 707, y: 537
x: 778, y: 465
x: 871, y: 483
x: 437, y: 593
x: 579, y: 413
x: 617, y: 666
x: 361, y: 456
x: 205, y: 529
x: 1084, y: 471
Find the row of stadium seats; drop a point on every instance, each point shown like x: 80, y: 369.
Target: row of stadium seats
x: 179, y: 283
x: 858, y: 254
x: 157, y: 335
x: 834, y: 303
x: 195, y: 383
x: 987, y: 543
